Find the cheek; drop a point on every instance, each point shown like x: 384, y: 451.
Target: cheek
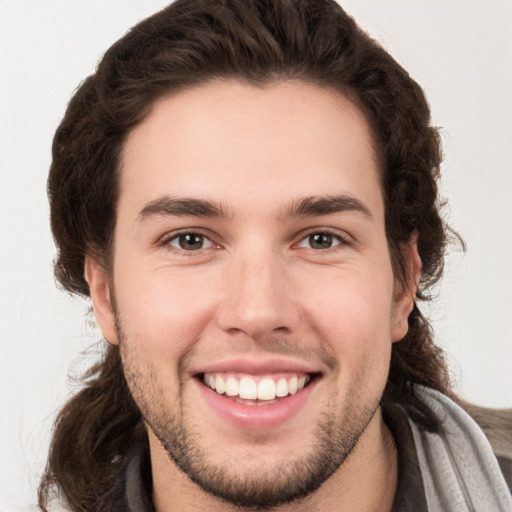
x: 355, y: 308
x: 167, y: 313
x: 353, y: 318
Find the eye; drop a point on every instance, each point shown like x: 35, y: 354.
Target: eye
x: 190, y: 242
x: 321, y: 241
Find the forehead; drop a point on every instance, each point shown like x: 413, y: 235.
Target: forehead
x: 240, y: 144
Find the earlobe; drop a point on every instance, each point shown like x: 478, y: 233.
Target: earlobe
x: 405, y: 293
x: 99, y: 288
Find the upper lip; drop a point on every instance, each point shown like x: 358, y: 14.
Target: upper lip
x: 252, y: 366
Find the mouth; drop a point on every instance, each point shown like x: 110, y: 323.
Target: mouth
x: 253, y: 395
x: 256, y: 390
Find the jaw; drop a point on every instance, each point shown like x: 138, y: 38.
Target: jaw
x: 256, y: 464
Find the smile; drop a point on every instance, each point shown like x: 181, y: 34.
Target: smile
x: 255, y: 395
x: 254, y: 390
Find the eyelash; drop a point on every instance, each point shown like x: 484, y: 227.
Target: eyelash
x: 344, y: 240
x: 166, y: 240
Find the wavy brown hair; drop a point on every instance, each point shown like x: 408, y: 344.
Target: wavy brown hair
x: 258, y: 42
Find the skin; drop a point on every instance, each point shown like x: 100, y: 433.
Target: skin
x: 257, y: 290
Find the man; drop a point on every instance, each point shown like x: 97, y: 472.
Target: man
x: 247, y: 192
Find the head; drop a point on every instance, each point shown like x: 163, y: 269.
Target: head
x: 286, y: 57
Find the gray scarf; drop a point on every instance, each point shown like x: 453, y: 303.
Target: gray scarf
x: 460, y: 472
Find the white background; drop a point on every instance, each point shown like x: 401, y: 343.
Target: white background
x: 459, y: 50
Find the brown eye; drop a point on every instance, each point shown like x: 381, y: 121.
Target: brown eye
x: 321, y: 241
x: 190, y: 242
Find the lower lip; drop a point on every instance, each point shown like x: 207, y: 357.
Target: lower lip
x: 257, y: 417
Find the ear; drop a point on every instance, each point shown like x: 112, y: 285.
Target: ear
x: 405, y: 292
x: 99, y: 288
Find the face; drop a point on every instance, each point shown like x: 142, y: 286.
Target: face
x: 255, y: 304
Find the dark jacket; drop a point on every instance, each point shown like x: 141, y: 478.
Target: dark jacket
x: 131, y: 491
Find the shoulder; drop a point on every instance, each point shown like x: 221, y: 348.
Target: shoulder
x: 496, y: 424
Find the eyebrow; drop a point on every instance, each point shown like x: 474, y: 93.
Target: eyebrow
x: 181, y: 207
x: 313, y: 206
x: 310, y: 206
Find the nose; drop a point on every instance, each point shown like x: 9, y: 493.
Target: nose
x: 258, y: 300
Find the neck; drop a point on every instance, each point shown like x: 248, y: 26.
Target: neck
x: 365, y: 482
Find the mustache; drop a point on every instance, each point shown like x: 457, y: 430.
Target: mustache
x: 282, y: 346
x: 275, y: 346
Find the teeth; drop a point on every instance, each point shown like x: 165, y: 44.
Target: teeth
x: 282, y: 388
x: 247, y: 388
x: 231, y: 386
x: 292, y: 385
x: 220, y: 387
x: 266, y: 389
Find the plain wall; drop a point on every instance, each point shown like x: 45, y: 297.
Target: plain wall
x: 460, y: 51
